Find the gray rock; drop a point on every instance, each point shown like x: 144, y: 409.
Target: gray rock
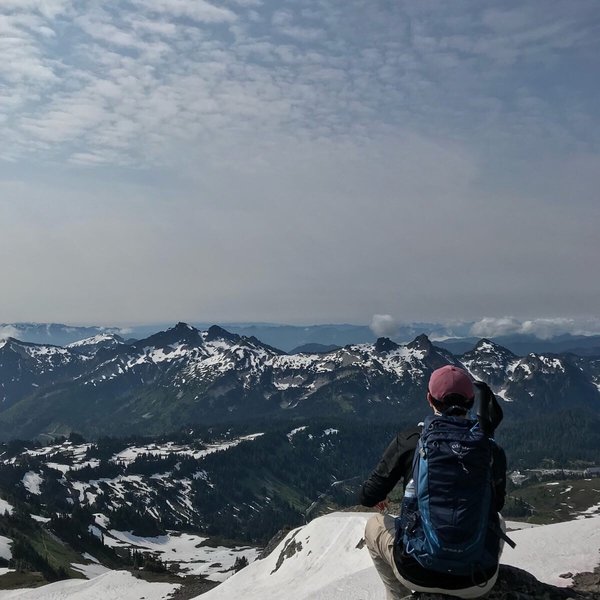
x: 516, y: 584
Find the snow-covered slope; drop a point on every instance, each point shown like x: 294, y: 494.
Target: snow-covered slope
x: 113, y: 585
x: 24, y: 368
x: 92, y: 344
x: 326, y: 560
x: 552, y: 550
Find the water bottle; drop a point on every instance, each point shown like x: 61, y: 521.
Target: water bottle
x: 409, y: 506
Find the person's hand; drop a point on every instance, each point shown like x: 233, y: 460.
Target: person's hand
x: 489, y: 411
x: 383, y: 505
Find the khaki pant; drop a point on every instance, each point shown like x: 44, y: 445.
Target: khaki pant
x: 379, y: 537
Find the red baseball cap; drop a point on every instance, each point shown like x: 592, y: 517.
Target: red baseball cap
x: 450, y: 380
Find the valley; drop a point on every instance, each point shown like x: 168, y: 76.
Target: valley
x: 197, y: 505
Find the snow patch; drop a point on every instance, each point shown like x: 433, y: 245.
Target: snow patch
x: 40, y: 519
x: 5, y: 544
x: 293, y: 432
x: 129, y: 455
x: 112, y: 585
x: 6, y: 507
x: 32, y: 481
x: 188, y: 550
x: 589, y: 512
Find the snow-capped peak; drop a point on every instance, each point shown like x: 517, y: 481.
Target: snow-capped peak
x: 102, y: 339
x: 485, y: 345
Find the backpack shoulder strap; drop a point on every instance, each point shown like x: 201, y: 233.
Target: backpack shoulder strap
x: 498, y: 531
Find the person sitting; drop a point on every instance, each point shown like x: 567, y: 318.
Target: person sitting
x: 402, y: 548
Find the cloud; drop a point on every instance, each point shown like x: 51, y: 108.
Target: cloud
x: 198, y: 10
x: 122, y: 331
x: 248, y: 3
x: 306, y: 74
x: 493, y: 326
x: 384, y: 325
x: 48, y: 8
x: 543, y: 328
x: 284, y: 21
x: 7, y: 331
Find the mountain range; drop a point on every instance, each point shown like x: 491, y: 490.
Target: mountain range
x: 456, y: 337
x: 106, y: 385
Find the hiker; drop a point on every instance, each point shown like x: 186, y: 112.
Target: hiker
x: 458, y: 489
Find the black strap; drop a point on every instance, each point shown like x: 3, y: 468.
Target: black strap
x: 498, y: 531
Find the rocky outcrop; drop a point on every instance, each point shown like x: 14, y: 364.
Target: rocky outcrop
x: 517, y: 584
x: 588, y: 582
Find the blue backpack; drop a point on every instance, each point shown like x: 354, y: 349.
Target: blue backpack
x: 447, y: 521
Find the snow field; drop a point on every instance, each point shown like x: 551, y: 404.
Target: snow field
x: 89, y: 571
x: 330, y: 564
x: 128, y: 455
x: 185, y: 549
x: 550, y: 550
x: 327, y: 565
x: 325, y: 560
x: 113, y: 585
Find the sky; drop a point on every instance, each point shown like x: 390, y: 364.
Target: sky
x: 299, y: 162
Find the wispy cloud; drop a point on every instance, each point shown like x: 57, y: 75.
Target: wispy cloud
x: 199, y: 10
x: 163, y: 70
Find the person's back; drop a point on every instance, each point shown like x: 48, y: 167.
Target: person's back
x: 447, y: 539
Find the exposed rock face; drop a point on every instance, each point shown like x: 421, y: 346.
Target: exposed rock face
x: 516, y: 584
x: 588, y: 582
x: 384, y: 344
x: 274, y: 542
x: 291, y: 547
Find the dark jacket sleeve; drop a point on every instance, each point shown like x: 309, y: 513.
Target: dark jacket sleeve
x: 395, y: 464
x: 499, y: 476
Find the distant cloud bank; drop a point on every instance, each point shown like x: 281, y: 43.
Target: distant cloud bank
x: 488, y: 327
x: 544, y: 329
